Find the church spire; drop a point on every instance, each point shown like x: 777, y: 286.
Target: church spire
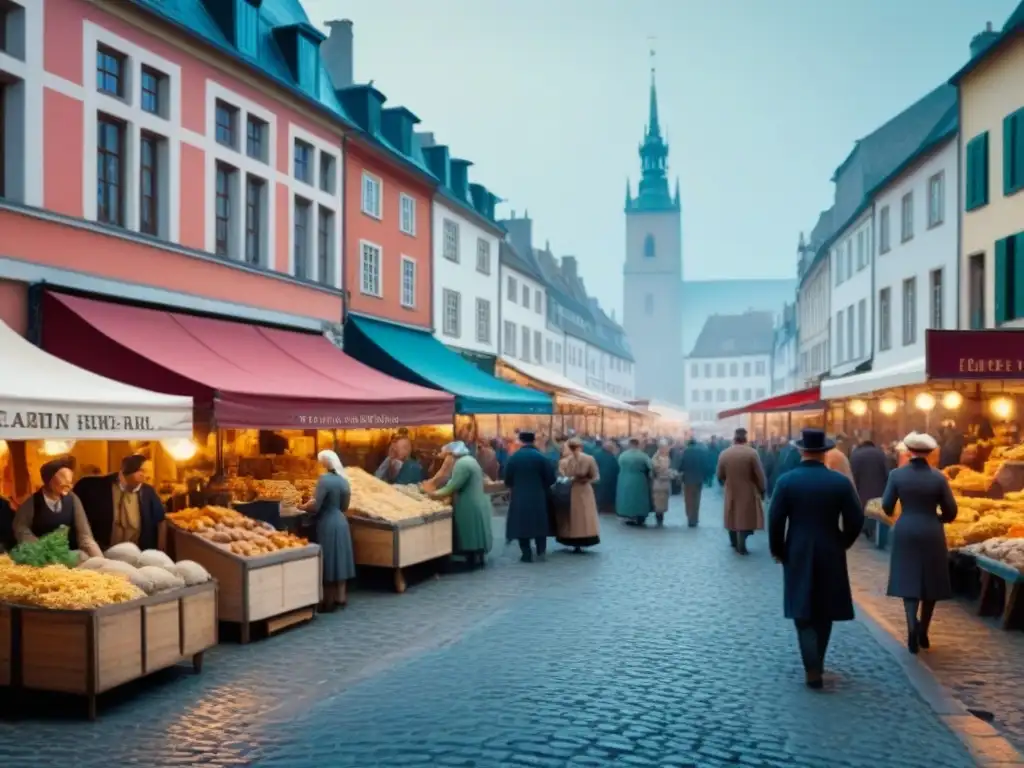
x: 653, y: 128
x: 653, y: 191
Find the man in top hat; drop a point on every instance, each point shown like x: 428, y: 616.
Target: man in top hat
x: 739, y: 471
x: 122, y: 506
x: 528, y: 476
x: 805, y: 536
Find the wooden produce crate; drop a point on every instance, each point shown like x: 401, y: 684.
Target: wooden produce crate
x: 282, y: 588
x: 88, y: 652
x: 397, y: 545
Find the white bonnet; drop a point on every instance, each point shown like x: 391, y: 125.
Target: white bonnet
x: 920, y: 442
x: 456, y: 448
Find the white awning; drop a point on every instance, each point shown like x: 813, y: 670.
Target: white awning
x: 559, y: 382
x: 44, y: 398
x: 905, y: 374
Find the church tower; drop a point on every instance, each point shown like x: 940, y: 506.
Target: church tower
x: 653, y: 272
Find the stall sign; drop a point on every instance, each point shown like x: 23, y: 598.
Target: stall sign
x: 996, y: 354
x: 83, y: 424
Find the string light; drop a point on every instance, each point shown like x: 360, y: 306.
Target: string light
x: 56, y: 447
x: 858, y: 407
x: 1002, y: 408
x: 924, y: 402
x: 889, y: 406
x: 180, y: 449
x: 952, y: 400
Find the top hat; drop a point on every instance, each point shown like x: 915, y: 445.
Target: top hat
x: 814, y: 441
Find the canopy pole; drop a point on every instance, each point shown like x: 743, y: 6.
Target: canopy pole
x: 789, y: 424
x: 219, y: 442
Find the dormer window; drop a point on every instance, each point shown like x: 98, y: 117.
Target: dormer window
x: 300, y: 44
x: 247, y: 27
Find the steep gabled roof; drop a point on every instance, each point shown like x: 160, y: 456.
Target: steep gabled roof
x: 511, y: 258
x: 752, y: 333
x: 1013, y: 27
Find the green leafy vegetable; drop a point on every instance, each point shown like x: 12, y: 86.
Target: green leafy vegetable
x: 51, y: 549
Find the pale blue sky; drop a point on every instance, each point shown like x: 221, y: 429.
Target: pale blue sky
x: 761, y: 100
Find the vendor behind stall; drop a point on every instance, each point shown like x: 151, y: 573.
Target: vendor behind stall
x: 122, y: 507
x: 400, y: 467
x: 55, y: 505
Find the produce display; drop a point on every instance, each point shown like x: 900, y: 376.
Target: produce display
x: 61, y: 588
x: 151, y: 571
x: 977, y: 519
x: 1007, y: 550
x: 51, y: 549
x: 373, y: 498
x: 234, y: 531
x: 966, y: 480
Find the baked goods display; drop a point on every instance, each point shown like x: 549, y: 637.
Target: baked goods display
x: 966, y: 480
x: 234, y: 532
x: 61, y: 588
x: 375, y: 499
x: 1006, y: 549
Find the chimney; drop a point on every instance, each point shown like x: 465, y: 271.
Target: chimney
x: 460, y: 178
x: 363, y: 103
x: 396, y: 125
x: 981, y: 41
x: 336, y: 53
x: 569, y: 269
x: 436, y: 157
x: 520, y: 234
x: 426, y: 139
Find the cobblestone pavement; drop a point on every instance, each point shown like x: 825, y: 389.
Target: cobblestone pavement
x: 980, y: 663
x: 661, y: 648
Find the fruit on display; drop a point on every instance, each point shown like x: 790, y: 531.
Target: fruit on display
x: 51, y: 549
x: 234, y: 532
x: 1009, y: 453
x: 62, y: 588
x: 1006, y: 550
x: 373, y: 498
x: 967, y: 480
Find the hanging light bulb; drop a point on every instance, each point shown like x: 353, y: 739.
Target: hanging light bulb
x: 56, y: 447
x: 889, y: 406
x: 1002, y: 408
x: 952, y: 400
x: 924, y: 402
x: 858, y: 407
x: 180, y: 449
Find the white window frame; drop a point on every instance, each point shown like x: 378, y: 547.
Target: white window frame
x: 483, y: 249
x: 446, y: 329
x: 406, y: 260
x: 407, y: 201
x: 907, y: 217
x: 509, y: 332
x: 483, y: 321
x: 332, y: 200
x: 380, y: 269
x: 378, y: 211
x: 450, y: 225
x: 512, y: 289
x: 909, y: 310
x: 937, y: 214
x: 24, y: 155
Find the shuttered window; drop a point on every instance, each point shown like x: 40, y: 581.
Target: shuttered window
x: 1013, y: 152
x: 976, y: 173
x: 1009, y: 279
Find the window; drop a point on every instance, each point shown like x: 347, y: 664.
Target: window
x: 255, y: 138
x: 849, y: 258
x: 303, y: 162
x: 526, y: 296
x: 450, y: 240
x: 759, y: 393
x: 254, y: 187
x: 839, y: 335
x: 300, y: 246
x: 4, y: 138
x: 759, y: 368
x: 509, y: 345
x: 483, y: 323
x: 695, y: 396
x: 719, y: 395
x: 222, y: 214
x: 409, y: 285
x: 861, y: 260
x: 407, y: 214
x: 548, y: 350
x: 149, y: 180
x: 649, y: 304
x: 483, y: 256
x: 734, y: 370
x: 525, y: 352
x: 327, y: 177
x: 720, y: 370
x: 371, y: 204
x: 885, y: 319
x: 451, y: 302
x: 707, y: 370
x: 1007, y: 279
x: 1013, y: 152
x: 734, y: 395
x: 110, y: 71
x: 153, y: 85
x: 748, y: 394
x: 837, y: 266
x: 649, y: 246
x: 694, y: 371
x: 708, y: 395
x: 976, y: 172
x: 558, y: 353
x: 538, y: 302
x: 324, y: 245
x: 883, y: 230
x: 537, y: 346
x: 909, y: 311
x: 936, y: 199
x: 247, y: 21
x: 226, y: 124
x: 849, y: 332
x: 110, y: 157
x: 513, y: 289
x: 862, y: 328
x: 935, y: 299
x: 369, y: 270
x: 746, y: 369
x: 976, y: 291
x: 907, y: 217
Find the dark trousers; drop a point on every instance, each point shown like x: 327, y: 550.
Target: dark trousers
x: 812, y: 636
x: 691, y: 499
x: 540, y: 543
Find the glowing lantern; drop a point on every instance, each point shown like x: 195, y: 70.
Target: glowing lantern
x: 858, y: 407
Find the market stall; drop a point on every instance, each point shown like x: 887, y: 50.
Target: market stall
x: 781, y: 417
x: 669, y: 419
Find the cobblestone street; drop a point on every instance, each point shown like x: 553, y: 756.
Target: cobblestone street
x: 660, y: 648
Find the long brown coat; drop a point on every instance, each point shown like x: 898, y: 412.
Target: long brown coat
x: 740, y: 471
x: 582, y: 522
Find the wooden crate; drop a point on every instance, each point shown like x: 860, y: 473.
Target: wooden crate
x: 88, y: 652
x: 398, y: 545
x: 251, y: 589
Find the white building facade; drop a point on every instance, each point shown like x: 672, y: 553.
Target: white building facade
x: 813, y: 322
x: 723, y: 383
x: 466, y: 279
x: 786, y: 354
x: 850, y: 301
x: 524, y: 331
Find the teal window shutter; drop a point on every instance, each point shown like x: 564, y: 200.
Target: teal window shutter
x: 1001, y: 287
x: 976, y: 172
x: 1018, y: 275
x: 983, y: 170
x: 1013, y: 152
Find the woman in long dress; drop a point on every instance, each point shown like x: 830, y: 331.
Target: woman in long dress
x: 919, y: 567
x: 633, y: 491
x: 471, y: 506
x: 580, y: 528
x: 329, y: 503
x: 661, y: 483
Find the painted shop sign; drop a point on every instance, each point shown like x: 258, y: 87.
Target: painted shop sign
x: 22, y: 422
x: 974, y: 354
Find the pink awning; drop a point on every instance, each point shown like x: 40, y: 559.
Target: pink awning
x: 251, y: 377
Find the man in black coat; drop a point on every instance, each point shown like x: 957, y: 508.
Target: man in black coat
x: 528, y: 476
x: 805, y: 536
x: 693, y: 468
x: 870, y: 470
x: 122, y: 506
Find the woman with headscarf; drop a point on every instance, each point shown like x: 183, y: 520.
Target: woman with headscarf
x: 471, y: 506
x: 329, y: 503
x: 633, y: 491
x: 661, y: 479
x: 52, y: 506
x: 580, y: 528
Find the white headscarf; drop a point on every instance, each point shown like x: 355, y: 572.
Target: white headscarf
x: 456, y: 448
x: 332, y: 461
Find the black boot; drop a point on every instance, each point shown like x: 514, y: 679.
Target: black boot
x: 732, y: 539
x: 660, y: 519
x: 741, y: 543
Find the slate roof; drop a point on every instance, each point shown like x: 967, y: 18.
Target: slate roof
x: 1013, y: 27
x: 752, y: 333
x: 511, y: 258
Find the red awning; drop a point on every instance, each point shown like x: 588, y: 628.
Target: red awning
x: 252, y: 377
x: 802, y: 400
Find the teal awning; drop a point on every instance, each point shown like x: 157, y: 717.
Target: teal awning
x: 416, y: 356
